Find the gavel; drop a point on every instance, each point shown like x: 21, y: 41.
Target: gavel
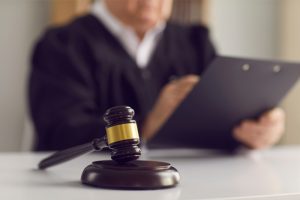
x: 124, y: 171
x: 122, y: 138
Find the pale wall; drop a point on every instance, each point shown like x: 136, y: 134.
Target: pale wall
x: 20, y: 23
x: 290, y: 49
x: 245, y: 27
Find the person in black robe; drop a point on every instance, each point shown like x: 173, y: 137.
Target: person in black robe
x: 81, y: 69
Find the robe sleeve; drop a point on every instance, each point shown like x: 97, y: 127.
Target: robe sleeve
x: 62, y: 97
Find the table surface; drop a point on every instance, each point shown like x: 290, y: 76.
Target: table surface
x: 269, y: 174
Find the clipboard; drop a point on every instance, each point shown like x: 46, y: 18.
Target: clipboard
x: 230, y: 90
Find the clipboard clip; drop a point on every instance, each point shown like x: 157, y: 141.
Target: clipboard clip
x: 246, y: 67
x: 276, y: 68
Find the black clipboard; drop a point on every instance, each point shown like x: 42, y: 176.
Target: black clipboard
x: 230, y: 90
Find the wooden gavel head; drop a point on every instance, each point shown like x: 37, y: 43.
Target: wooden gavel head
x: 122, y: 134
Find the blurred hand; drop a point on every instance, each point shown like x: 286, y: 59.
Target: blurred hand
x: 262, y: 133
x: 170, y: 97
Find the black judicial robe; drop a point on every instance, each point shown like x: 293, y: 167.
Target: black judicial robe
x: 80, y: 70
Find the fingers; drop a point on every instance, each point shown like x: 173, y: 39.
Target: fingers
x: 274, y: 122
x: 169, y: 99
x: 183, y: 86
x: 251, y: 134
x: 178, y: 89
x: 263, y: 133
x: 273, y: 116
x: 187, y: 82
x: 192, y: 79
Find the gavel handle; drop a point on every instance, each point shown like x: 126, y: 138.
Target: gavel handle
x: 73, y: 152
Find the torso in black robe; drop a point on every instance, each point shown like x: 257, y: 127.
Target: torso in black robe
x: 81, y: 69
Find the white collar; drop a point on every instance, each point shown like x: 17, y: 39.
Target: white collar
x: 141, y: 51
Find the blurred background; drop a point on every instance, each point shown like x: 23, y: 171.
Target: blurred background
x: 256, y: 28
